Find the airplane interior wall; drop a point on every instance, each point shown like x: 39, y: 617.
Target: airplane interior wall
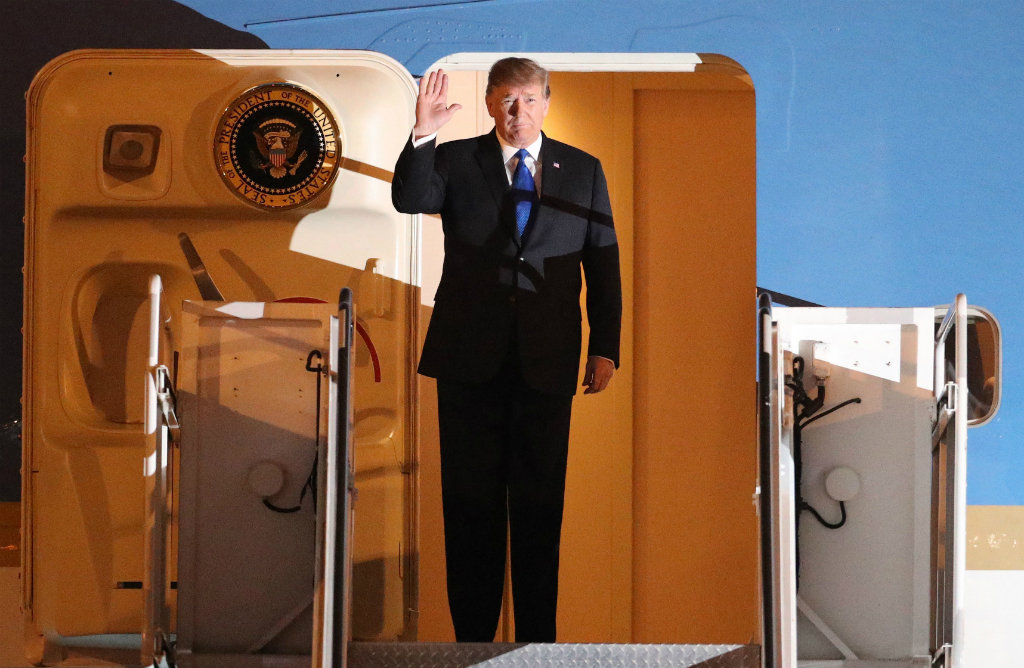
x: 695, y: 537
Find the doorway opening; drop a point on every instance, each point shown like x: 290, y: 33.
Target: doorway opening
x: 659, y: 537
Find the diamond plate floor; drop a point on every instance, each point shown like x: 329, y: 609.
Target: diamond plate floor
x: 562, y: 655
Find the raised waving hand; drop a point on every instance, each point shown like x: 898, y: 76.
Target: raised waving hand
x: 432, y: 110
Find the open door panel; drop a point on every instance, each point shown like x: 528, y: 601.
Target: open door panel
x: 125, y: 153
x: 860, y: 382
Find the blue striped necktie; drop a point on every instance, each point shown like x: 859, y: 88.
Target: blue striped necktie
x: 524, y: 191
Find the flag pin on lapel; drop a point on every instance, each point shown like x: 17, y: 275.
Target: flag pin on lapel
x: 555, y: 165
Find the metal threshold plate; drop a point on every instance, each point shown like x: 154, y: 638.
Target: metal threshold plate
x: 561, y: 655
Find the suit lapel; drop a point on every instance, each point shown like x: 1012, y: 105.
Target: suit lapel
x: 488, y: 156
x: 551, y: 180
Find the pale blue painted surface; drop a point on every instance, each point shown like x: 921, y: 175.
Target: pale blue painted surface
x: 889, y: 138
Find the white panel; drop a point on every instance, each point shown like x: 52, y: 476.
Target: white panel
x: 580, y: 62
x: 244, y: 310
x: 869, y: 579
x: 870, y: 349
x: 922, y: 318
x: 370, y: 98
x: 246, y: 398
x: 352, y: 236
x: 994, y: 614
x: 785, y: 508
x: 370, y: 95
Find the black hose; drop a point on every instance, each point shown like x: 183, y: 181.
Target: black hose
x: 855, y: 400
x: 310, y: 484
x: 804, y: 413
x: 276, y: 509
x: 824, y: 522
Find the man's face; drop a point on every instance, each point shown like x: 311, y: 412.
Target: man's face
x: 518, y: 112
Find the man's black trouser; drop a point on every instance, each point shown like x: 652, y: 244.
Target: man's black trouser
x: 503, y: 454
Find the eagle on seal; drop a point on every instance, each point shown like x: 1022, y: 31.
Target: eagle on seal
x: 277, y: 140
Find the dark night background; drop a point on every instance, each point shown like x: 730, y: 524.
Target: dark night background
x: 34, y: 34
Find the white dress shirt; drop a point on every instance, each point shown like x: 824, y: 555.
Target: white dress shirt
x: 416, y: 143
x: 508, y: 154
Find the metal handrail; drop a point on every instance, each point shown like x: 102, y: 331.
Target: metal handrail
x: 333, y: 597
x: 764, y: 412
x: 951, y: 412
x: 156, y: 470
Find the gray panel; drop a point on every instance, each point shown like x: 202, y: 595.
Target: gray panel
x: 211, y: 660
x: 563, y: 655
x: 245, y: 576
x: 423, y: 654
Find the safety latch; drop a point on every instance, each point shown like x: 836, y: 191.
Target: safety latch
x: 950, y: 393
x: 943, y: 654
x: 165, y: 397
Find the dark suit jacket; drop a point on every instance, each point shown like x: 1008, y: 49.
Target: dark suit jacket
x: 492, y: 278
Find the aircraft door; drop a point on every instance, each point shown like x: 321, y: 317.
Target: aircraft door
x: 111, y: 192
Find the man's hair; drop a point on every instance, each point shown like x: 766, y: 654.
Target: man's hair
x: 517, y: 72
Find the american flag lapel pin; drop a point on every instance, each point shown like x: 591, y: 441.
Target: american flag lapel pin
x: 555, y: 165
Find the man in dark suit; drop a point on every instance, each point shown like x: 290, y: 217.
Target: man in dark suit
x: 521, y: 213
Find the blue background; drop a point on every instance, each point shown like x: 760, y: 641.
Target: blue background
x: 889, y: 141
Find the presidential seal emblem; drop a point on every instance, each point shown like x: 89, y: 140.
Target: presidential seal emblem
x: 277, y: 146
